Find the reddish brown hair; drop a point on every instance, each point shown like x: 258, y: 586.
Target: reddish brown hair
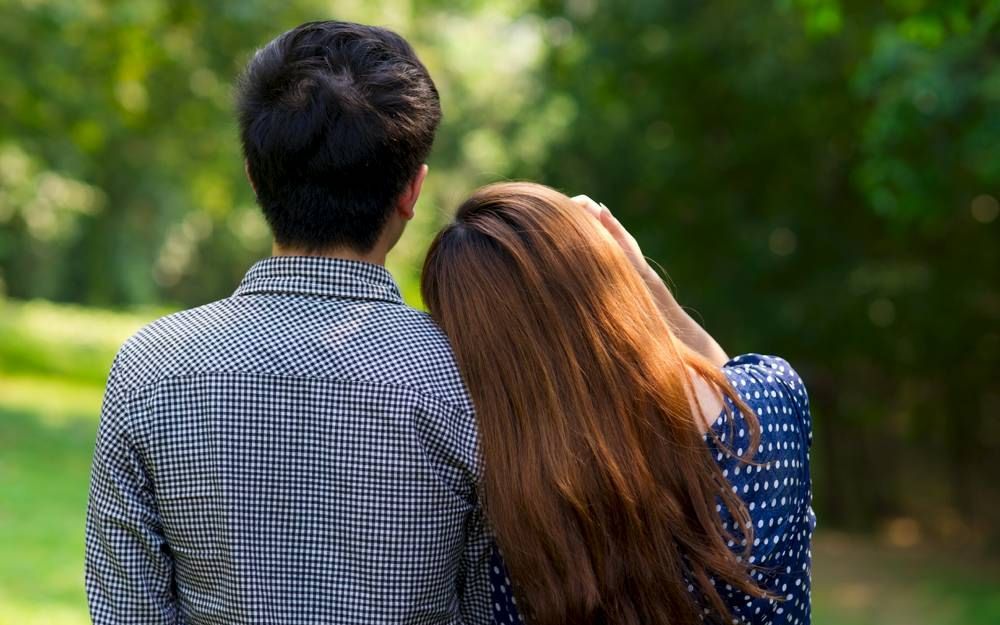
x: 598, y: 484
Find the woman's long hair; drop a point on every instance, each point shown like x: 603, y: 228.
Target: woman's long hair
x: 597, y: 483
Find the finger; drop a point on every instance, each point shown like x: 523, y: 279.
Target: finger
x: 590, y: 205
x: 617, y: 231
x: 610, y: 221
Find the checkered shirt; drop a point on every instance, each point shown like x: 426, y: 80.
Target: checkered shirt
x: 301, y: 452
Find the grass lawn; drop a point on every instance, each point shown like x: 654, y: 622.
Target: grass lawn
x: 44, y: 464
x: 48, y: 418
x: 859, y: 581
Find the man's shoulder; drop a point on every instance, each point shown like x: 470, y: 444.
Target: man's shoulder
x: 155, y: 349
x: 412, y: 327
x: 419, y: 354
x: 390, y: 344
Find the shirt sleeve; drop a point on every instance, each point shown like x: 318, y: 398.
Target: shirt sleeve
x: 475, y: 603
x: 129, y: 569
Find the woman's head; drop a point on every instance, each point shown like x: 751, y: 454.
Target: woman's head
x: 597, y: 481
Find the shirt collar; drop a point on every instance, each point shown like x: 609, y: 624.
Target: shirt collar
x: 322, y: 276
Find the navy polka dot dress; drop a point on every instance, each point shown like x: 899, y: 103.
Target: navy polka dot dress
x: 777, y: 493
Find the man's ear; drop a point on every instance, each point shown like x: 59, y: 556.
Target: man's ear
x: 408, y: 198
x: 246, y: 168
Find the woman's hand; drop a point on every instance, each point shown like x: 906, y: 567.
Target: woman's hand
x: 619, y: 234
x: 687, y: 329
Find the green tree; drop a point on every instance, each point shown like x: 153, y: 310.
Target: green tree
x: 819, y: 178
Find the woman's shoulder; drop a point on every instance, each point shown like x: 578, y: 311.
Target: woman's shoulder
x: 773, y: 372
x: 773, y: 390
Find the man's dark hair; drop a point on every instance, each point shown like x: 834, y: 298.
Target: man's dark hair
x: 335, y: 119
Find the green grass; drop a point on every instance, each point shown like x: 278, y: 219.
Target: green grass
x: 63, y: 341
x: 860, y: 581
x: 44, y: 463
x: 49, y: 403
x: 54, y: 360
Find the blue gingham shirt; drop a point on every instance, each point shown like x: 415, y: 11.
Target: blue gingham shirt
x: 300, y: 452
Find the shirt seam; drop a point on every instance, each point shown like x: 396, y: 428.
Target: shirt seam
x: 357, y: 298
x: 131, y: 392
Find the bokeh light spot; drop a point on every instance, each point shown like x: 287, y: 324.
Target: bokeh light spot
x: 985, y: 208
x: 882, y: 312
x: 782, y: 242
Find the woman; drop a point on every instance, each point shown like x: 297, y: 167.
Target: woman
x: 634, y: 474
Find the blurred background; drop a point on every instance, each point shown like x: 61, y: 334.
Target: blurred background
x: 818, y: 178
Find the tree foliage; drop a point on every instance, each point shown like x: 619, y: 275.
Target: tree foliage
x: 820, y: 179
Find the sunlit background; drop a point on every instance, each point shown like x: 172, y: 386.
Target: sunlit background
x: 819, y: 178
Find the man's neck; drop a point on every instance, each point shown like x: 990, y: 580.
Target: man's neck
x: 375, y: 257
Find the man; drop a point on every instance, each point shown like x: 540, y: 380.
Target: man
x: 303, y: 451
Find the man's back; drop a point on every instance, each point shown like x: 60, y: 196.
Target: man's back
x: 302, y: 452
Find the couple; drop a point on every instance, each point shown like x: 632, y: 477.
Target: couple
x: 558, y: 442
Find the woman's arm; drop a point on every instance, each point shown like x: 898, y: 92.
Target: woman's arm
x: 687, y: 329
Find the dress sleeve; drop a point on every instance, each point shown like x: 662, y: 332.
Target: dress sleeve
x: 775, y: 485
x: 780, y: 386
